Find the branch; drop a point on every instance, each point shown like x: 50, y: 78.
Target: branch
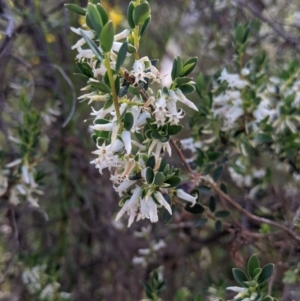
x: 278, y: 29
x: 251, y: 216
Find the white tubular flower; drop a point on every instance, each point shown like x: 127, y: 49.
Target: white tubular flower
x: 124, y: 187
x: 126, y: 137
x: 81, y: 42
x: 122, y: 35
x: 159, y: 197
x: 138, y: 71
x: 107, y: 127
x: 173, y: 114
x: 160, y: 111
x: 184, y: 100
x: 25, y: 174
x: 233, y: 80
x: 102, y: 113
x: 186, y: 196
x: 84, y: 54
x: 148, y: 209
x: 13, y: 163
x: 130, y: 206
x: 141, y: 120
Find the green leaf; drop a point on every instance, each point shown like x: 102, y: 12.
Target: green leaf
x: 223, y: 187
x: 145, y: 26
x: 189, y: 66
x: 108, y: 104
x: 103, y: 13
x: 93, y: 46
x: 212, y: 204
x: 76, y: 9
x: 217, y: 173
x: 183, y: 80
x: 121, y: 56
x: 179, y: 66
x: 239, y: 276
x: 174, y: 129
x: 263, y: 138
x: 251, y: 283
x: 200, y: 222
x: 218, y: 225
x: 149, y: 175
x: 174, y: 69
x: 130, y: 10
x: 141, y: 13
x: 85, y: 69
x: 173, y: 181
x: 266, y: 272
x: 128, y: 121
x: 196, y: 209
x: 101, y: 86
x: 107, y: 36
x: 222, y: 213
x: 159, y: 178
x: 167, y: 217
x: 94, y: 18
x: 187, y: 89
x: 253, y: 263
x: 101, y: 121
x: 151, y: 162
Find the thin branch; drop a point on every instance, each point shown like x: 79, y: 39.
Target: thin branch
x: 251, y: 216
x: 277, y: 29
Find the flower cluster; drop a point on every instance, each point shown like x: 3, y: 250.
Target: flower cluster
x: 133, y: 125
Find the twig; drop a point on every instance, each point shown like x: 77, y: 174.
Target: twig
x: 251, y: 216
x: 278, y: 29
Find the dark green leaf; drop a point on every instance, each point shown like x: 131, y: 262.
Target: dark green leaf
x: 253, y: 263
x: 222, y: 213
x: 94, y: 19
x: 107, y: 36
x: 218, y: 225
x: 183, y: 80
x: 187, y: 89
x: 223, y: 187
x: 217, y: 173
x: 121, y: 56
x: 173, y: 181
x: 151, y: 162
x: 130, y: 15
x: 76, y: 9
x: 128, y: 121
x: 103, y: 13
x: 85, y: 69
x: 141, y: 13
x: 145, y: 26
x: 159, y: 178
x: 167, y: 217
x: 101, y: 86
x: 196, y: 209
x: 149, y: 175
x: 174, y: 69
x: 101, y: 121
x: 212, y: 204
x: 263, y: 138
x: 239, y: 276
x: 93, y: 46
x: 189, y: 66
x: 267, y: 271
x: 174, y: 129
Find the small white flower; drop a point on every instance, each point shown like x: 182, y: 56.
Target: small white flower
x: 186, y: 196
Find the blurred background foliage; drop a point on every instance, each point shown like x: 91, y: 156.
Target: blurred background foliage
x: 72, y: 235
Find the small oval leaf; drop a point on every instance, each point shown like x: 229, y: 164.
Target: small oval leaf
x: 107, y: 36
x: 128, y: 121
x: 239, y: 276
